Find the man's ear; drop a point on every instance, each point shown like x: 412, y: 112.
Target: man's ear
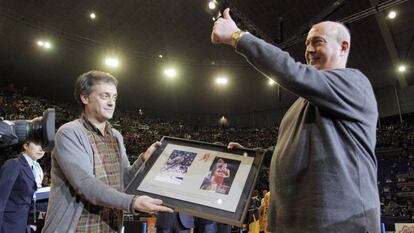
x: 344, y: 47
x: 84, y: 99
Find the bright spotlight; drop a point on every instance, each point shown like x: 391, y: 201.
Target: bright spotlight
x: 160, y: 55
x: 44, y: 44
x: 212, y: 5
x: 112, y: 62
x: 92, y: 15
x: 402, y: 68
x: 170, y: 72
x: 223, y: 121
x: 47, y: 45
x: 271, y: 82
x: 222, y: 81
x: 392, y: 15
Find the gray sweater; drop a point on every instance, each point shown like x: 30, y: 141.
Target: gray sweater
x: 73, y: 181
x: 323, y: 174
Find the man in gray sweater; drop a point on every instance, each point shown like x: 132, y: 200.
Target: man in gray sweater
x: 323, y: 174
x: 90, y: 167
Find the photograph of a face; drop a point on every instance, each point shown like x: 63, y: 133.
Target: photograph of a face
x: 176, y: 167
x: 200, y: 179
x: 220, y: 175
x: 200, y: 176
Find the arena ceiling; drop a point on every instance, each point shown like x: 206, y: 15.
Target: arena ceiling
x: 138, y: 31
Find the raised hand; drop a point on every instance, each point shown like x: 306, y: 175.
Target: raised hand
x: 223, y: 29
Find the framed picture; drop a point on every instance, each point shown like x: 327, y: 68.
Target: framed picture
x: 200, y: 179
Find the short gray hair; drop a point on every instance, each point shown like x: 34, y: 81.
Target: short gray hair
x: 342, y: 33
x: 338, y: 31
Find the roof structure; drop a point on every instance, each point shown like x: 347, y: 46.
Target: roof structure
x: 137, y: 32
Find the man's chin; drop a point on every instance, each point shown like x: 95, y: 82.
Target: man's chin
x: 318, y: 66
x: 313, y: 64
x: 108, y: 116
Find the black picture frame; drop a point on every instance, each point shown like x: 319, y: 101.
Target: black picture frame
x: 215, y: 198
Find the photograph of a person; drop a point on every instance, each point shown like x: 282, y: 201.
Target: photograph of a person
x: 176, y: 167
x: 221, y: 175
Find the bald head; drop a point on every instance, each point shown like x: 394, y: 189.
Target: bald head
x: 336, y: 30
x: 327, y: 45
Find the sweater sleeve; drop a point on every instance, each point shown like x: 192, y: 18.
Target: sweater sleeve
x: 340, y: 91
x: 71, y: 155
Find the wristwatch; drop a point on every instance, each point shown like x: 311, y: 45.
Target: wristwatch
x: 235, y: 37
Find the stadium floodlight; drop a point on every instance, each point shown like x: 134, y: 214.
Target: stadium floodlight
x: 271, y: 82
x: 212, y: 5
x: 170, y: 72
x: 92, y: 15
x: 223, y: 121
x: 402, y: 68
x: 112, y: 62
x: 222, y: 80
x: 392, y: 15
x: 44, y: 44
x: 47, y: 45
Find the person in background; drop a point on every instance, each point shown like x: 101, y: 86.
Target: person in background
x: 174, y: 223
x: 264, y: 192
x: 207, y: 226
x: 19, y: 180
x: 253, y: 214
x: 263, y: 210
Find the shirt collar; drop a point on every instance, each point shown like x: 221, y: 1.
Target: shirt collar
x: 88, y: 125
x: 29, y: 160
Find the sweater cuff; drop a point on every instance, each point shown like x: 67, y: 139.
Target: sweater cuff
x: 244, y: 42
x: 131, y: 206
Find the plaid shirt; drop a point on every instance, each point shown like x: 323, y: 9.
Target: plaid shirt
x: 107, y: 168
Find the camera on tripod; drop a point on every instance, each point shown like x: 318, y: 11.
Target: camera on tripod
x: 40, y: 130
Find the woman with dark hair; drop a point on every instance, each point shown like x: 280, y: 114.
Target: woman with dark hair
x: 19, y: 179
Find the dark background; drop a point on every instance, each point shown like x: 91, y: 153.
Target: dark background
x: 138, y: 31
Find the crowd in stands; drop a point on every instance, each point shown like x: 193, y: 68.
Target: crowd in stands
x: 395, y: 153
x: 396, y: 136
x: 395, y: 142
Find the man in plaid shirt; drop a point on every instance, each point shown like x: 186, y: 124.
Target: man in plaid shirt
x: 90, y: 168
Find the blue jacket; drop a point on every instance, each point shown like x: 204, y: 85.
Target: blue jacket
x: 17, y: 185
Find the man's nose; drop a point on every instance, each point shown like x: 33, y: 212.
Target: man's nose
x: 111, y: 100
x: 310, y: 49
